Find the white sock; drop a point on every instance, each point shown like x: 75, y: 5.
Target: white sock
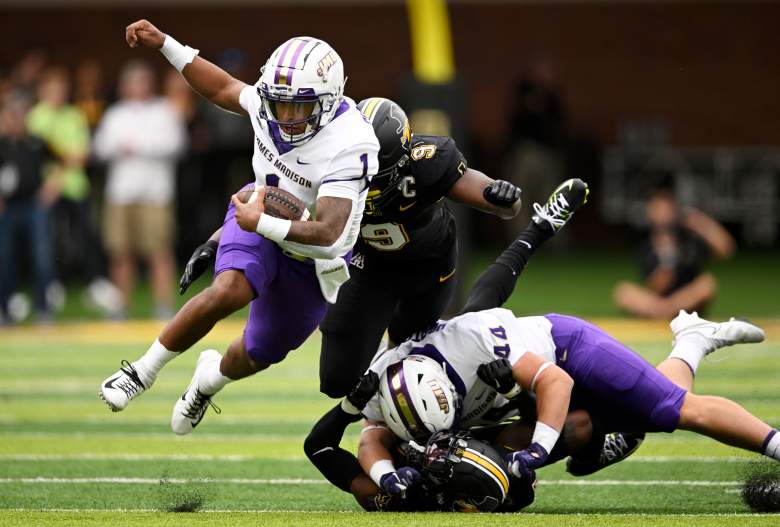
x: 150, y: 364
x: 210, y: 378
x: 691, y: 349
x: 772, y: 445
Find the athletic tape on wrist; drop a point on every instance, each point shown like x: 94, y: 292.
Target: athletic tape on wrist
x: 545, y: 435
x: 275, y: 229
x: 178, y: 55
x: 379, y: 469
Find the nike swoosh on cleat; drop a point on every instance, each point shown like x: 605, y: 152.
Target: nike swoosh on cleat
x: 110, y: 382
x: 446, y: 277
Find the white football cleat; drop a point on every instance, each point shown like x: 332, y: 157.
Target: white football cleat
x: 123, y: 386
x: 717, y: 334
x: 192, y: 405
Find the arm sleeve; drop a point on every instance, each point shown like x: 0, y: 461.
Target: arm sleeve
x: 322, y: 448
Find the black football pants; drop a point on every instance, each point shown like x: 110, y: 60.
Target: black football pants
x: 372, y: 301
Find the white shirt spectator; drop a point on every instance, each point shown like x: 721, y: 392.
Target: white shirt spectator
x: 141, y: 141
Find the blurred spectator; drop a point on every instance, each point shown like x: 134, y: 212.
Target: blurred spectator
x: 27, y: 73
x: 88, y: 94
x: 671, y: 258
x: 25, y: 197
x: 64, y: 129
x: 535, y: 158
x: 140, y: 137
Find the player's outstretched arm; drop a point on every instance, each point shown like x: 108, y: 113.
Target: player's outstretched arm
x: 209, y: 80
x: 477, y: 190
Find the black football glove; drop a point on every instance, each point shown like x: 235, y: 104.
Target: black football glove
x: 498, y: 375
x: 501, y: 193
x: 198, y: 263
x: 364, y: 390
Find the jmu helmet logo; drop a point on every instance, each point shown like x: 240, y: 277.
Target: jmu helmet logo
x: 441, y: 398
x: 325, y: 64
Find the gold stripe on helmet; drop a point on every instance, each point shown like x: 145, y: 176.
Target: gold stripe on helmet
x: 371, y: 107
x: 403, y: 404
x: 489, y: 465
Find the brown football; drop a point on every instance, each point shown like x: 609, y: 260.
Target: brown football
x: 278, y: 203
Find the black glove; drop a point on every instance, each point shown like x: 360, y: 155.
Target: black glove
x: 199, y: 261
x: 498, y: 375
x: 501, y: 193
x: 364, y: 390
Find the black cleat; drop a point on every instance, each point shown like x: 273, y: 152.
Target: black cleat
x: 617, y: 447
x: 562, y: 204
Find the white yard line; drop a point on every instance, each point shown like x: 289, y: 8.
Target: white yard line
x: 352, y: 512
x: 209, y: 457
x: 285, y: 481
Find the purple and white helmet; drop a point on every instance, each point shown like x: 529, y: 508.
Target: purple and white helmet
x: 303, y: 69
x: 417, y: 398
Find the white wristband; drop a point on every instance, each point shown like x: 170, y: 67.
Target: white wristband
x: 178, y: 55
x: 275, y: 229
x: 379, y: 469
x: 545, y: 435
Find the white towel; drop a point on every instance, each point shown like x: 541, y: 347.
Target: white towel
x: 331, y: 275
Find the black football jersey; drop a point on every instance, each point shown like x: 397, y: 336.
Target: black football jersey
x: 419, y: 226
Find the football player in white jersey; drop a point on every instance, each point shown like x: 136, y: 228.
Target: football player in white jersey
x: 431, y: 383
x: 311, y: 141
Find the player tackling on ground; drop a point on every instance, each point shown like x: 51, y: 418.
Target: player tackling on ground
x: 311, y: 141
x: 569, y: 364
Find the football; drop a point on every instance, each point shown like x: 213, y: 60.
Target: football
x: 278, y: 203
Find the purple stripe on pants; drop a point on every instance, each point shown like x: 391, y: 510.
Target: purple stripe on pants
x: 614, y: 384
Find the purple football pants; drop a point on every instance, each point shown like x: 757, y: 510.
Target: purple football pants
x: 614, y: 384
x: 288, y: 304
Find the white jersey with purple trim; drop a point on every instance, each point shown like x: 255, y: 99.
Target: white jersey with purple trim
x: 461, y: 345
x: 338, y: 161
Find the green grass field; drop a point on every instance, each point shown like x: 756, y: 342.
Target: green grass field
x: 571, y: 281
x: 65, y: 459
